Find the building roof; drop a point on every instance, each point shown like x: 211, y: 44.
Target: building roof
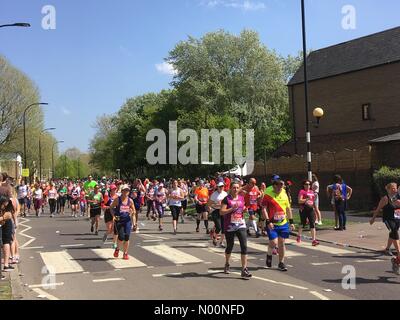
x: 362, y: 53
x: 392, y: 137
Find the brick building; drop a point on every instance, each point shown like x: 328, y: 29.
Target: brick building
x: 357, y: 83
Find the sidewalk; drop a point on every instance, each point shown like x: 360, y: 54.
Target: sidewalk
x: 5, y: 288
x: 358, y: 235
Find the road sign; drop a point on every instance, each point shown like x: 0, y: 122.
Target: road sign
x: 25, y: 173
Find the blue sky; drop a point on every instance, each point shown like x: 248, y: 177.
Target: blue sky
x: 103, y: 52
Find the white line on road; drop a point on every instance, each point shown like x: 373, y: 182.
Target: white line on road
x: 264, y: 248
x: 108, y: 280
x: 71, y: 245
x: 22, y: 233
x: 318, y: 295
x: 321, y: 248
x: 31, y: 248
x: 151, y: 236
x: 107, y: 255
x: 158, y: 240
x: 325, y: 263
x: 42, y: 293
x: 171, y: 254
x: 369, y: 260
x: 166, y: 274
x: 47, y: 285
x: 276, y: 282
x: 60, y: 262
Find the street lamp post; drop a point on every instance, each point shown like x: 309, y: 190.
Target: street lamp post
x: 52, y: 156
x: 24, y: 121
x: 40, y: 151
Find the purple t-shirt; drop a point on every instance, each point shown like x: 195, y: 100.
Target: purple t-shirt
x: 235, y: 220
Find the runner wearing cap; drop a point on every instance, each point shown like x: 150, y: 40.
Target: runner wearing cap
x: 201, y: 198
x: 95, y: 200
x: 123, y: 210
x: 108, y: 217
x: 277, y: 212
x: 214, y: 203
x: 251, y: 196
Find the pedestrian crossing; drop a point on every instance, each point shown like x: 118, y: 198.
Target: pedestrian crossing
x: 62, y: 262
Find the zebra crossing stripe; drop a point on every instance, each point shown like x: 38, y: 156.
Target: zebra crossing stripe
x: 107, y: 255
x: 60, y: 262
x: 172, y: 254
x: 321, y: 248
x: 264, y: 248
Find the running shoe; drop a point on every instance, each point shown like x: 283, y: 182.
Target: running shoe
x: 258, y: 234
x: 125, y: 257
x: 248, y: 232
x: 8, y: 269
x: 221, y: 245
x: 182, y: 220
x: 282, y: 267
x: 92, y: 228
x: 207, y: 231
x: 197, y: 230
x: 116, y: 253
x: 160, y: 228
x: 315, y: 243
x: 246, y: 274
x: 51, y: 216
x: 298, y: 240
x: 269, y: 262
x: 3, y: 277
x: 96, y: 233
x: 227, y: 269
x: 105, y: 237
x: 175, y: 232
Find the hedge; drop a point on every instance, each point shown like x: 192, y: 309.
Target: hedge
x: 384, y: 176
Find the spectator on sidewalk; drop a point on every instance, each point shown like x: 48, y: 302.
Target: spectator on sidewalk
x: 340, y: 194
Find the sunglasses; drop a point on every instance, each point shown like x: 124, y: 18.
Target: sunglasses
x: 307, y: 184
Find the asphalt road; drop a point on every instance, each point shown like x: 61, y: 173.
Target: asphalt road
x: 186, y: 266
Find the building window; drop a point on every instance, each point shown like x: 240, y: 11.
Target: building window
x: 366, y: 112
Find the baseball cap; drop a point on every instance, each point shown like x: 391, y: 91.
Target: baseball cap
x: 278, y: 181
x: 275, y: 177
x: 113, y: 187
x: 125, y: 187
x: 221, y: 184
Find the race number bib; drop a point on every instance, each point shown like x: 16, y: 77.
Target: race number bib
x: 236, y: 218
x: 279, y: 216
x: 397, y: 214
x: 309, y: 203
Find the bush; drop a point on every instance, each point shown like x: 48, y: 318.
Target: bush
x: 384, y: 176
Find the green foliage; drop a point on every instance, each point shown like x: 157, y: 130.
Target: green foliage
x: 384, y: 176
x: 222, y: 81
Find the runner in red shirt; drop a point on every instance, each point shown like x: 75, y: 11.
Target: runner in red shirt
x: 251, y: 196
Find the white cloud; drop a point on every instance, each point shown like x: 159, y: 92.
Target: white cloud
x: 166, y: 68
x: 66, y: 111
x: 245, y: 5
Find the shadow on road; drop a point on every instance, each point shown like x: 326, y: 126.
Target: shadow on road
x: 380, y: 280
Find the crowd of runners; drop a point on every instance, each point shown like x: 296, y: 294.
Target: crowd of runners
x: 235, y: 208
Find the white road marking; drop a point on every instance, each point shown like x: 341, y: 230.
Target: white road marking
x: 151, y: 236
x: 71, y: 245
x: 275, y: 282
x: 32, y: 248
x: 158, y: 240
x: 166, y: 274
x: 108, y: 280
x: 221, y: 251
x: 33, y: 286
x: 325, y: 263
x: 107, y: 255
x: 60, y: 262
x: 319, y: 295
x: 264, y: 248
x: 172, y: 254
x: 40, y: 292
x: 22, y: 233
x: 321, y: 248
x: 369, y: 260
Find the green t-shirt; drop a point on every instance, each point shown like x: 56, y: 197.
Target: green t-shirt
x: 89, y: 185
x: 62, y: 191
x: 97, y: 197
